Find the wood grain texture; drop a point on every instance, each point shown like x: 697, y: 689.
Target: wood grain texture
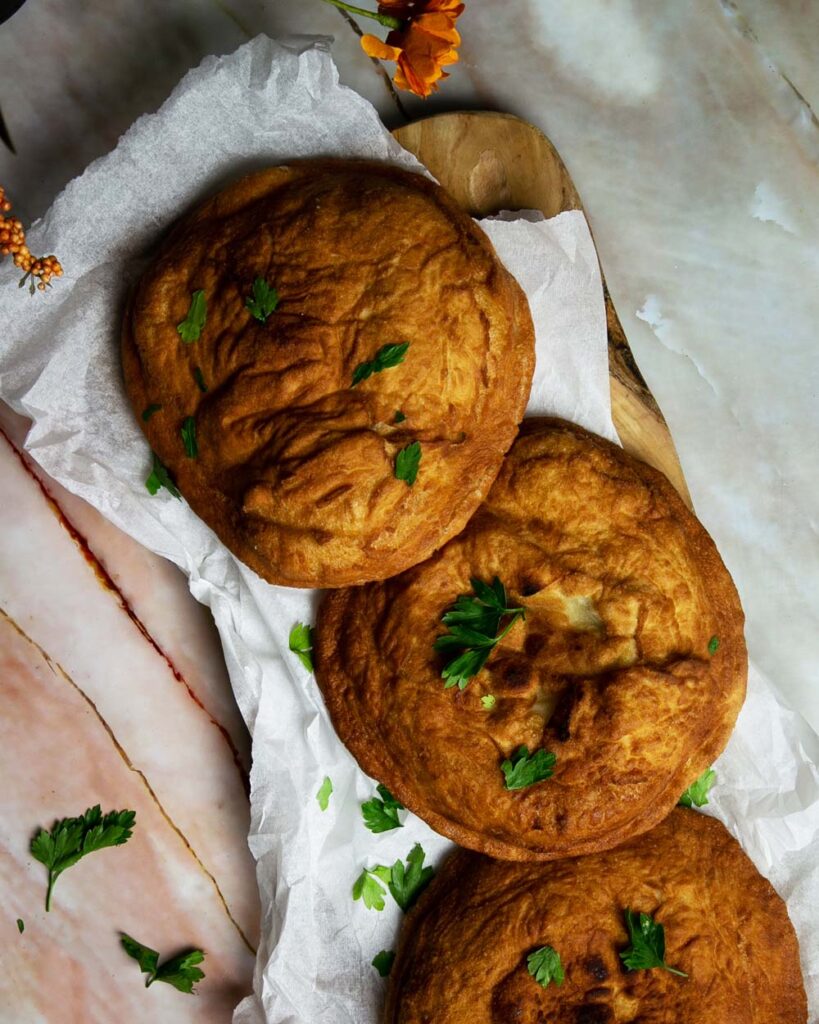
x: 491, y: 162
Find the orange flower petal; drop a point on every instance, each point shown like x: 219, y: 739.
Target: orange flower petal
x: 375, y: 47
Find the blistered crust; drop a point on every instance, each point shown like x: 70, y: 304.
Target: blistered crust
x: 295, y: 470
x: 463, y: 949
x: 611, y: 669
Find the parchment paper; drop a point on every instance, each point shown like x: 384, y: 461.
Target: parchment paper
x: 59, y: 364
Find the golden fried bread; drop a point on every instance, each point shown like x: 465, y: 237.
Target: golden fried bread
x: 465, y: 946
x: 611, y: 670
x: 296, y: 465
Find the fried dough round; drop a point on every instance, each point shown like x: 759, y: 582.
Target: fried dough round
x: 611, y: 670
x: 463, y: 952
x: 296, y: 466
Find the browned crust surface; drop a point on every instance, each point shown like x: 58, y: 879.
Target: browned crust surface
x: 610, y: 670
x: 462, y: 957
x: 295, y: 470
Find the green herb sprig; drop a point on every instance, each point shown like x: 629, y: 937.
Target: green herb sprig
x: 160, y: 477
x: 473, y: 624
x: 383, y: 962
x: 697, y: 793
x: 544, y: 965
x: 385, y: 358
x: 647, y: 949
x: 406, y: 882
x: 71, y: 839
x: 301, y: 644
x: 262, y: 301
x: 181, y: 971
x: 382, y: 815
x: 188, y: 435
x: 524, y: 769
x: 407, y: 462
x: 324, y: 793
x: 192, y: 326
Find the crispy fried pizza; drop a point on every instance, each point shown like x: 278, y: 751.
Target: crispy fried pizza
x: 675, y: 927
x: 329, y: 362
x: 549, y: 682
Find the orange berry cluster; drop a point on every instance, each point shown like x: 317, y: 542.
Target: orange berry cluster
x: 13, y: 243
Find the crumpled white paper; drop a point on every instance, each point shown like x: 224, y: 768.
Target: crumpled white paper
x: 59, y: 364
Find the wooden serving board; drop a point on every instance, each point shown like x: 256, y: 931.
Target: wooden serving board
x: 492, y: 162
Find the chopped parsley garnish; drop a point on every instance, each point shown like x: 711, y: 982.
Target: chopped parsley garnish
x: 385, y: 358
x: 71, y: 839
x: 180, y: 971
x: 383, y: 962
x: 199, y: 378
x: 713, y: 645
x: 523, y: 769
x: 544, y: 965
x: 160, y: 477
x: 149, y: 411
x: 301, y: 644
x: 407, y: 462
x: 399, y: 416
x: 323, y: 795
x: 191, y: 327
x: 368, y: 887
x: 474, y: 629
x: 488, y: 701
x: 21, y: 927
x: 262, y: 300
x: 647, y: 949
x: 406, y: 882
x: 697, y: 793
x: 188, y: 435
x: 382, y: 815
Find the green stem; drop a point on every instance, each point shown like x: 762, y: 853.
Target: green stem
x: 52, y: 878
x: 382, y: 19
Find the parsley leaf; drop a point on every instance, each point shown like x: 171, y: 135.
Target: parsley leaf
x: 647, y: 949
x: 382, y: 815
x: 149, y: 411
x: 407, y: 883
x: 72, y: 838
x: 399, y: 416
x: 383, y: 962
x: 200, y: 380
x: 473, y: 623
x: 262, y: 301
x: 191, y: 327
x: 368, y: 887
x: 524, y: 770
x: 488, y: 701
x: 323, y: 795
x: 713, y: 645
x: 544, y: 965
x: 301, y: 644
x: 180, y: 971
x: 385, y: 358
x: 407, y: 462
x: 160, y: 477
x: 697, y: 793
x: 188, y: 434
x: 21, y: 927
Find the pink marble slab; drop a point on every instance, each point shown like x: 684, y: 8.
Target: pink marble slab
x: 114, y: 692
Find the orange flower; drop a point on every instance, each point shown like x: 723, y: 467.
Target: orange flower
x: 425, y: 44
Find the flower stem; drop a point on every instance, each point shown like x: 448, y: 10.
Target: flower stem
x: 382, y: 19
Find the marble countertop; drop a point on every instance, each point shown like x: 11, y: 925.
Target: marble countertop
x: 690, y: 133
